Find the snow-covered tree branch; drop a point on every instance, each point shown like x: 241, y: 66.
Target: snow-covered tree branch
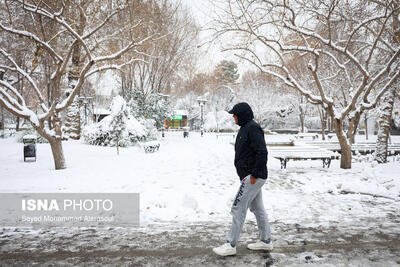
x: 338, y: 54
x: 59, y: 36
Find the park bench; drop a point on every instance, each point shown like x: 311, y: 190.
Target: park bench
x: 330, y: 135
x: 225, y: 134
x: 356, y: 148
x: 295, y: 153
x: 306, y: 136
x: 151, y: 146
x: 369, y: 148
x: 279, y: 143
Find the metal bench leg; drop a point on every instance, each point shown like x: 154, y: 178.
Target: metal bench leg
x: 283, y: 163
x: 326, y: 162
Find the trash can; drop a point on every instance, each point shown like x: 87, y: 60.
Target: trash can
x: 29, y: 146
x: 185, y: 132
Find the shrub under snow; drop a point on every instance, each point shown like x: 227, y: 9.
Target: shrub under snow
x: 101, y: 133
x: 119, y: 123
x: 224, y: 119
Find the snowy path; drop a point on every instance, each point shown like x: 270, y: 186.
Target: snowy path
x: 164, y: 245
x: 186, y: 190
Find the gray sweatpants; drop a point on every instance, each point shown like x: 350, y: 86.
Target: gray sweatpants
x: 248, y: 196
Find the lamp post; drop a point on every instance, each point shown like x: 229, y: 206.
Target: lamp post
x: 85, y: 100
x: 165, y: 99
x: 201, y: 102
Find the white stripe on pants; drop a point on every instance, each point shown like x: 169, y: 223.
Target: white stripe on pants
x: 248, y: 196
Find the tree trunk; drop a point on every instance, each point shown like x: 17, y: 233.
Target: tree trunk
x: 117, y: 145
x: 58, y: 153
x: 20, y: 85
x: 2, y: 118
x: 353, y: 126
x: 73, y: 118
x: 384, y: 120
x: 323, y: 115
x: 366, y: 125
x: 1, y: 107
x: 386, y: 108
x: 216, y: 118
x: 323, y: 125
x: 55, y: 141
x: 345, y: 157
x: 17, y: 124
x: 301, y: 115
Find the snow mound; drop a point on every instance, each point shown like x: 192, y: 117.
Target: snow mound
x: 190, y: 202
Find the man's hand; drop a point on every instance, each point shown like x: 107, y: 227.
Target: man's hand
x: 252, y: 179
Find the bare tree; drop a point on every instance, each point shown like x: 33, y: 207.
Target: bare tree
x: 344, y: 45
x: 387, y: 102
x: 167, y: 55
x: 59, y: 48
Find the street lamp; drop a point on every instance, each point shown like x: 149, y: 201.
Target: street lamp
x: 165, y: 99
x: 201, y: 102
x: 85, y: 100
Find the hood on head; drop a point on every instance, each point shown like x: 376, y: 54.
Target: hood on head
x: 243, y: 112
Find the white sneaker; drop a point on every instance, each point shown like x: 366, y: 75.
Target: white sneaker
x: 260, y: 245
x: 225, y: 250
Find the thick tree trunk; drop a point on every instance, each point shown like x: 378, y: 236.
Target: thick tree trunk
x: 73, y: 118
x: 345, y: 146
x: 58, y: 153
x: 55, y: 142
x: 384, y: 120
x: 387, y: 101
x: 353, y: 126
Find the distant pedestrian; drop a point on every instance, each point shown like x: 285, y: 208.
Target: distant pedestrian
x: 251, y: 166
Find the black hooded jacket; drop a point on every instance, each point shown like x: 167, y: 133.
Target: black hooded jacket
x: 250, y: 149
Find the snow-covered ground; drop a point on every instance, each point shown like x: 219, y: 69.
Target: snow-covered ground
x: 193, y: 181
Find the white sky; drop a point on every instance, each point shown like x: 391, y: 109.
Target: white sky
x: 203, y: 11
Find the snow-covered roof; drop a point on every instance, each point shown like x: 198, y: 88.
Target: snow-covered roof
x: 180, y: 112
x: 29, y: 136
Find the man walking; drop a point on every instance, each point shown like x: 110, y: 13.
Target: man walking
x: 251, y: 166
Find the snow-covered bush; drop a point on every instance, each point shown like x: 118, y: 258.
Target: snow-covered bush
x: 312, y: 122
x: 122, y: 124
x: 278, y: 119
x: 7, y: 133
x: 226, y: 123
x: 101, y: 133
x: 119, y: 116
x: 153, y: 106
x: 149, y: 128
